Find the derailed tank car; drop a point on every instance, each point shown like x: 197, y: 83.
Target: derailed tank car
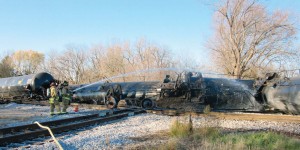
x: 230, y: 94
x: 188, y: 86
x: 135, y: 93
x: 281, y: 94
x: 31, y: 86
x: 142, y: 94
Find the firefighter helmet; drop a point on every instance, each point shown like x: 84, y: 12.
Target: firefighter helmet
x: 65, y: 83
x: 52, y: 84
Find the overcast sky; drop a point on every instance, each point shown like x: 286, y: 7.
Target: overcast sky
x: 47, y: 25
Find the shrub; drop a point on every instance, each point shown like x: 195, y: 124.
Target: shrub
x: 181, y: 129
x: 206, y: 109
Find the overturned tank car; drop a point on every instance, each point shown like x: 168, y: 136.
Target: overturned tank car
x: 280, y: 93
x: 31, y: 86
x: 230, y: 94
x: 98, y: 93
x: 140, y: 94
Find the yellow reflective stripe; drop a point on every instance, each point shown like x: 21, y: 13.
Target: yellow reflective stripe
x: 66, y: 98
x: 51, y: 100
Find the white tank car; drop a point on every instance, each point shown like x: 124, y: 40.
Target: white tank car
x: 283, y: 94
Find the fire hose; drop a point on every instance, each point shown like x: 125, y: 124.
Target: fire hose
x: 45, y: 127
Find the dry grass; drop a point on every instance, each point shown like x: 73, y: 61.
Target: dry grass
x: 183, y: 136
x: 215, y: 139
x: 107, y: 140
x: 180, y: 130
x: 207, y: 109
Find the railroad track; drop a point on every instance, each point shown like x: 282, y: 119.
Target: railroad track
x: 32, y: 131
x: 46, y: 103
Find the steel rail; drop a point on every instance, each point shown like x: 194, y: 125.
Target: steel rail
x: 62, y: 127
x: 21, y: 128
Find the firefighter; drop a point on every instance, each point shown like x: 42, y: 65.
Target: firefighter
x: 167, y: 80
x: 53, y: 100
x: 66, y: 96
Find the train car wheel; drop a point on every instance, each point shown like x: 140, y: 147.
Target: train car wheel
x: 147, y: 103
x: 110, y: 102
x: 128, y: 102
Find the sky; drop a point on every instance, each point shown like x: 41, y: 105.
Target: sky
x: 48, y: 26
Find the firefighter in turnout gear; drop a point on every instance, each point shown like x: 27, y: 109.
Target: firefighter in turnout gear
x: 167, y: 79
x: 54, y: 99
x: 66, y: 96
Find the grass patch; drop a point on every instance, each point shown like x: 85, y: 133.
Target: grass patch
x: 184, y: 137
x: 207, y: 109
x: 259, y: 140
x: 181, y: 130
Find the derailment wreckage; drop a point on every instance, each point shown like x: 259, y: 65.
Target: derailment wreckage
x: 189, y: 87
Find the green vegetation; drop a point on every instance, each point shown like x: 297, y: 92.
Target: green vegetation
x: 180, y: 130
x: 206, y: 109
x: 183, y: 137
x: 259, y: 140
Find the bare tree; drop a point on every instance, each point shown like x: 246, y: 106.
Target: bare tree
x: 129, y: 55
x: 120, y: 59
x: 247, y: 37
x: 148, y: 56
x: 27, y: 61
x: 70, y: 65
x: 6, y: 67
x: 95, y: 71
x: 114, y: 60
x: 188, y: 60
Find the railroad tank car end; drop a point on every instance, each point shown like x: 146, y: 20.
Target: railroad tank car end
x: 31, y: 86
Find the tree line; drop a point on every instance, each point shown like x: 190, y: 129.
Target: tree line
x: 78, y: 64
x: 20, y: 62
